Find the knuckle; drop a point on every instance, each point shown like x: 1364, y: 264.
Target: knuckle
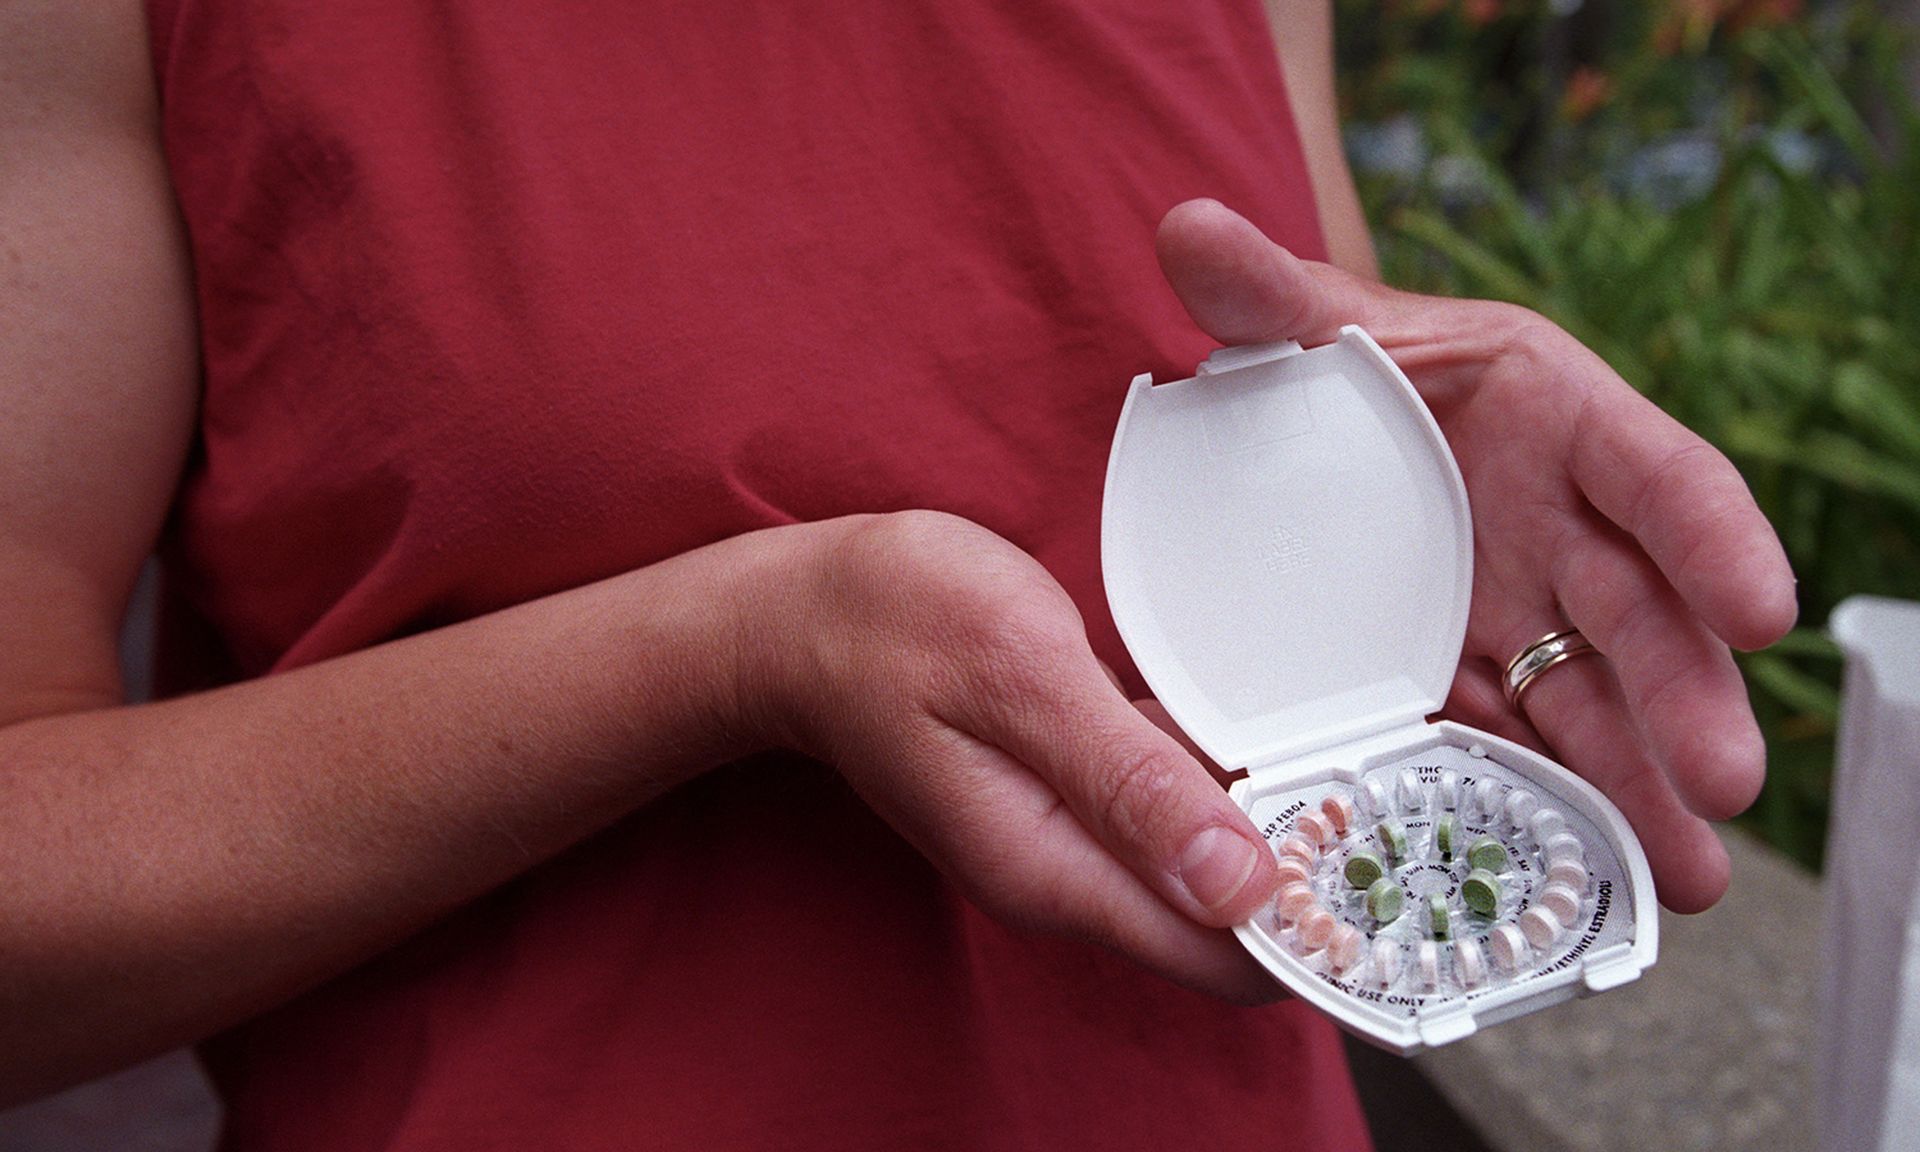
x: 1010, y: 652
x: 1529, y: 335
x: 1656, y: 686
x: 922, y: 531
x: 951, y: 569
x: 1134, y: 794
x: 1004, y: 883
x: 1683, y: 482
x: 902, y: 548
x: 1610, y: 592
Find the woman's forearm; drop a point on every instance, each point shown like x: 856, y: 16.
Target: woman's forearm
x: 168, y: 869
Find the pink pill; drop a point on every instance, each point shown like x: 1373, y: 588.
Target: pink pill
x: 1508, y: 946
x: 1468, y: 961
x: 1293, y: 870
x: 1299, y: 849
x: 1540, y: 927
x: 1346, y: 947
x: 1295, y: 900
x: 1568, y: 873
x: 1562, y: 901
x: 1429, y: 964
x: 1314, y: 828
x: 1339, y: 812
x: 1316, y: 928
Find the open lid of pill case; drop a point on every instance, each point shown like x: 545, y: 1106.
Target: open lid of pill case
x: 1288, y: 555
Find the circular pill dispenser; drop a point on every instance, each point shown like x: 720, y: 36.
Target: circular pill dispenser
x: 1288, y: 556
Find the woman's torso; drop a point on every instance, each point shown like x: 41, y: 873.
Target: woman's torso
x: 499, y: 301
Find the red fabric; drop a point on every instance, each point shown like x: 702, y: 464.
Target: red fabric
x: 497, y: 301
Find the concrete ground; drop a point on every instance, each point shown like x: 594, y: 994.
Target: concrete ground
x: 1711, y: 1049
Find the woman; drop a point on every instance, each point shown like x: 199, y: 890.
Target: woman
x: 641, y: 469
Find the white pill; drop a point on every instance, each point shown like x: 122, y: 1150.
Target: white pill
x: 1520, y: 805
x: 1314, y: 828
x: 1562, y: 901
x: 1570, y: 873
x: 1508, y: 946
x: 1477, y: 751
x: 1346, y: 948
x: 1413, y: 794
x: 1486, y: 796
x: 1429, y: 964
x: 1373, y: 797
x: 1449, y: 789
x: 1338, y: 808
x: 1386, y: 962
x: 1564, y: 846
x: 1470, y: 963
x: 1540, y: 927
x: 1545, y: 823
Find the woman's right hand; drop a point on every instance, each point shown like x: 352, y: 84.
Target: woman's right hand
x: 949, y: 678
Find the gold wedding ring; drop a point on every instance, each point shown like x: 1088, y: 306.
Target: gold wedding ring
x: 1539, y: 656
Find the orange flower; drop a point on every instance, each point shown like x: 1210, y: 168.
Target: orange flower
x: 1690, y: 24
x: 1480, y: 13
x: 1761, y: 13
x: 1587, y: 89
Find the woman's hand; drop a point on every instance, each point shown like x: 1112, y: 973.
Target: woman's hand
x: 949, y: 679
x: 1591, y: 507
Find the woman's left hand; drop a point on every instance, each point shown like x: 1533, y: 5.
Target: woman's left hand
x: 1592, y: 508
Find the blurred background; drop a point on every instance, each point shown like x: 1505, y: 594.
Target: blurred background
x: 1722, y: 197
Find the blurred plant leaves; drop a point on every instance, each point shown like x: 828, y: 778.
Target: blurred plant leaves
x: 1736, y: 229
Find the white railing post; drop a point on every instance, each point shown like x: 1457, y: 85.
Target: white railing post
x: 1869, y: 1067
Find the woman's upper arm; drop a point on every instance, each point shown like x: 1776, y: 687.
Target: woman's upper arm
x: 98, y: 362
x: 1303, y: 34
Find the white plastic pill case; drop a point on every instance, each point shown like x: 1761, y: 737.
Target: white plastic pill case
x: 1288, y: 553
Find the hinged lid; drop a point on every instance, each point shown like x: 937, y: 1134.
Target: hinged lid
x: 1287, y: 548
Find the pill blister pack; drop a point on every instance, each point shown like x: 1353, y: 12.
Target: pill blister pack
x: 1439, y: 876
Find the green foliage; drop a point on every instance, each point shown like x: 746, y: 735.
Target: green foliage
x: 1769, y: 298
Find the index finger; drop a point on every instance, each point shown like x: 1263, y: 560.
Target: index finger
x: 1682, y: 500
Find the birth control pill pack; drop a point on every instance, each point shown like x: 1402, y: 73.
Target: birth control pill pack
x: 1288, y: 555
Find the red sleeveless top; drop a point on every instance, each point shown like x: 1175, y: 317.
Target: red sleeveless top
x: 498, y: 300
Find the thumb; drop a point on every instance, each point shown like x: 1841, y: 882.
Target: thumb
x: 1242, y: 288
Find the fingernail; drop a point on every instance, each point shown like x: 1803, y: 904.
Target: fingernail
x: 1216, y: 865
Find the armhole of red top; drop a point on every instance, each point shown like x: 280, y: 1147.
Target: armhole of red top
x: 162, y: 16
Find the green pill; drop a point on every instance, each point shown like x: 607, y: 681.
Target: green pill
x: 1489, y: 854
x: 1481, y: 891
x: 1384, y: 900
x: 1437, y: 917
x: 1393, y: 839
x: 1446, y: 835
x: 1363, y: 869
